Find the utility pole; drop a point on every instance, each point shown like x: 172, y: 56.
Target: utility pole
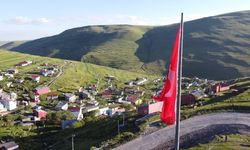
x: 73, y: 147
x: 118, y: 127
x: 123, y: 118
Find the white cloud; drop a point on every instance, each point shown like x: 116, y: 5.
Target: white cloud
x: 22, y: 20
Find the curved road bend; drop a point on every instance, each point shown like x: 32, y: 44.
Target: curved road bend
x: 188, y: 126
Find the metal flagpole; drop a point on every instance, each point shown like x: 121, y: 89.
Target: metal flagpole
x: 178, y: 103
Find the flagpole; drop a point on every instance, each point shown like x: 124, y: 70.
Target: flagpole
x: 178, y: 103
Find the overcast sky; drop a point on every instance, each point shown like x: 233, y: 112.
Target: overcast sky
x: 31, y: 19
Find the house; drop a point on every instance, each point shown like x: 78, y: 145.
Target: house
x: 9, y: 146
x: 8, y: 75
x: 9, y: 84
x: 103, y: 111
x: 35, y: 78
x: 76, y: 111
x: 149, y: 108
x: 123, y: 100
x: 42, y: 90
x: 139, y: 93
x: 48, y: 71
x: 107, y: 93
x: 141, y: 81
x: 12, y: 71
x: 70, y: 97
x: 52, y: 96
x: 129, y: 90
x: 115, y: 111
x: 130, y: 83
x: 2, y: 108
x: 44, y: 72
x: 157, y: 80
x: 91, y: 88
x: 219, y: 87
x: 187, y: 99
x: 90, y: 109
x: 84, y: 94
x: 134, y: 100
x: 1, y: 77
x: 8, y: 100
x: 93, y: 103
x: 67, y: 123
x: 198, y: 94
x: 9, y: 104
x: 37, y: 98
x: 24, y: 63
x: 62, y: 106
x: 40, y: 113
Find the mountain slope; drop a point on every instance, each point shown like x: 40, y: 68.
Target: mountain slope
x: 214, y: 47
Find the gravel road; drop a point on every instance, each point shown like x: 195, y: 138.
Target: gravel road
x: 198, y: 125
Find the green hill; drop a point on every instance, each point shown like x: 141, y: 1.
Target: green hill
x: 214, y: 47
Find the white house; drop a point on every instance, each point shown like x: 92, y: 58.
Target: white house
x: 141, y: 81
x: 103, y: 111
x: 35, y: 78
x: 8, y: 100
x: 70, y: 97
x: 24, y: 63
x: 93, y: 103
x: 1, y: 77
x: 9, y: 104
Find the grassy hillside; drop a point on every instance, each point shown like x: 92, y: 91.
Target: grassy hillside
x: 214, y: 47
x: 235, y: 141
x: 75, y: 73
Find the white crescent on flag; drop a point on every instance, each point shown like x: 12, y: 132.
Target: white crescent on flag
x: 170, y: 80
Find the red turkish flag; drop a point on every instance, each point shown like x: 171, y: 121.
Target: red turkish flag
x: 169, y: 92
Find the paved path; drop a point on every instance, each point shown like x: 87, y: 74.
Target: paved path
x: 187, y: 126
x: 61, y: 69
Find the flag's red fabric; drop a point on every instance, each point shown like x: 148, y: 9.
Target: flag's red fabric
x: 169, y: 92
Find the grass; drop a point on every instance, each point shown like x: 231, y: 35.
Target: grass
x: 234, y: 142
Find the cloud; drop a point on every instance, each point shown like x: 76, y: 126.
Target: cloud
x: 21, y: 20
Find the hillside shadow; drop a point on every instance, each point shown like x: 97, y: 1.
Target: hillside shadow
x: 204, y: 54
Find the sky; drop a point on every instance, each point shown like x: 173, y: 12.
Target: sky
x: 31, y: 19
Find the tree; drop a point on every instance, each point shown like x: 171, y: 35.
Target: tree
x: 58, y: 116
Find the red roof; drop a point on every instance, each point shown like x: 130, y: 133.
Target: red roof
x: 132, y: 98
x: 41, y: 91
x: 23, y: 62
x: 71, y: 108
x: 107, y: 93
x: 34, y: 76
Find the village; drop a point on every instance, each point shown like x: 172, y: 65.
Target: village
x: 39, y: 104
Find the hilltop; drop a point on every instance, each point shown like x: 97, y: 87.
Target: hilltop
x: 215, y: 47
x: 3, y: 42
